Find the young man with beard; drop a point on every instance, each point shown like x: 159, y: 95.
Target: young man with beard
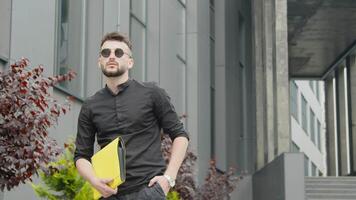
x: 135, y: 111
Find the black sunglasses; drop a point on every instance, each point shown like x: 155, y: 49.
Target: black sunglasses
x: 118, y: 53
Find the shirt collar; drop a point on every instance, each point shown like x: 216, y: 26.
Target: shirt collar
x: 121, y: 87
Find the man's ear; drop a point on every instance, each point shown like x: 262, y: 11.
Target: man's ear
x: 131, y: 63
x: 99, y: 63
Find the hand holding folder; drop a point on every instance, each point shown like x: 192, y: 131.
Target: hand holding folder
x: 109, y: 163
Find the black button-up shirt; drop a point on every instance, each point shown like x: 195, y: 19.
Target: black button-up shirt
x: 136, y: 113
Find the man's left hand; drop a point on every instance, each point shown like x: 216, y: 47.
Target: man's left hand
x: 162, y: 181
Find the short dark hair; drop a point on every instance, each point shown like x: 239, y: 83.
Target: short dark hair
x: 118, y: 37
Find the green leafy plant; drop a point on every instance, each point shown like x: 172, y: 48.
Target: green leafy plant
x: 62, y: 180
x: 173, y: 195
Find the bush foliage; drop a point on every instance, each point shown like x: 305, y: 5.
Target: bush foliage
x: 62, y: 180
x: 217, y: 185
x: 26, y: 112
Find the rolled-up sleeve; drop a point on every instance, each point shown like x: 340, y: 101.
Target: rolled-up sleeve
x: 167, y: 116
x: 85, y: 135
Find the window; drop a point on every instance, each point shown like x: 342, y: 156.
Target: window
x: 242, y: 40
x: 317, y: 90
x: 70, y: 45
x: 183, y: 2
x: 294, y: 100
x: 314, y: 171
x: 241, y: 75
x: 181, y: 34
x: 306, y: 165
x: 3, y: 63
x: 5, y: 34
x: 212, y: 20
x: 138, y: 9
x: 179, y: 20
x: 138, y: 38
x: 294, y: 147
x: 318, y: 132
x: 304, y: 115
x: 312, y: 126
x: 311, y: 84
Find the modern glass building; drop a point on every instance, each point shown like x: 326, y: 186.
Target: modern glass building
x: 229, y: 65
x: 307, y: 108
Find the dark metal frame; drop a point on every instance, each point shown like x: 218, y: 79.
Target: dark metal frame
x: 337, y: 120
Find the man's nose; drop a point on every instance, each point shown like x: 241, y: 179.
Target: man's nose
x: 112, y: 54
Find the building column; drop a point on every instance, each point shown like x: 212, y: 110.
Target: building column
x: 330, y: 127
x: 282, y: 78
x: 270, y: 53
x: 342, y: 119
x: 340, y: 96
x: 269, y: 69
x: 257, y: 62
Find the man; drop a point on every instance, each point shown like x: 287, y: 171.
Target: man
x: 135, y: 111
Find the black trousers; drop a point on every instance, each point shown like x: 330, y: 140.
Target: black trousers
x: 154, y: 192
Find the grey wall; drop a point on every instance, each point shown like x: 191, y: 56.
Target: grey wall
x: 5, y: 24
x: 33, y: 42
x: 281, y: 179
x: 220, y: 85
x: 198, y: 81
x: 234, y: 87
x: 240, y: 95
x: 244, y: 190
x: 38, y: 43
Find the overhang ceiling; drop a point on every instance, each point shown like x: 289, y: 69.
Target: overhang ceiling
x: 319, y: 31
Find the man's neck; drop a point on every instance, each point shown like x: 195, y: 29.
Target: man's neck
x: 113, y: 82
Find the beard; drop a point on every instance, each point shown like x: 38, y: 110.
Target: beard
x: 118, y: 72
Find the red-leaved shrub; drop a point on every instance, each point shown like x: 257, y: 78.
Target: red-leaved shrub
x: 26, y: 112
x: 217, y: 185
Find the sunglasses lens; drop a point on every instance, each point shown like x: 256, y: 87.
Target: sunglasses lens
x: 119, y: 53
x: 105, y: 53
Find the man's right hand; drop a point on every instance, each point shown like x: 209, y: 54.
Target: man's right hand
x: 85, y: 169
x: 102, y: 186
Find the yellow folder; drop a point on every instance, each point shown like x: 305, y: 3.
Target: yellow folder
x: 109, y: 162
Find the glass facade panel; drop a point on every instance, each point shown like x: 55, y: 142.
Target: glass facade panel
x: 304, y: 115
x: 306, y: 165
x: 312, y: 126
x: 294, y: 147
x: 181, y: 30
x: 138, y: 39
x: 318, y: 132
x: 294, y: 100
x: 70, y: 52
x: 138, y: 8
x: 314, y: 170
